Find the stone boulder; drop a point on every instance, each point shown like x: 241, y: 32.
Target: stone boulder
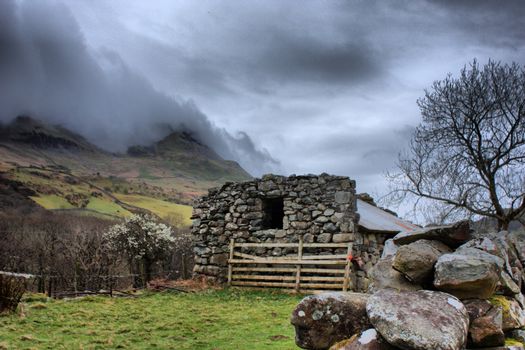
x: 477, y: 308
x: 416, y: 260
x: 486, y: 331
x: 466, y: 276
x: 484, y: 243
x: 367, y: 340
x: 482, y: 255
x: 518, y: 241
x: 452, y: 235
x: 424, y: 320
x: 507, y: 285
x: 383, y: 275
x: 513, y: 314
x: 324, y: 319
x: 502, y: 245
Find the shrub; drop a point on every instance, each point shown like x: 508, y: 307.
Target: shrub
x: 144, y: 241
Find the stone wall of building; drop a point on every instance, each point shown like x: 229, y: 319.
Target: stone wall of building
x: 279, y: 209
x: 368, y: 247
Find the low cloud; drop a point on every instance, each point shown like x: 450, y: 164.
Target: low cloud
x: 49, y: 72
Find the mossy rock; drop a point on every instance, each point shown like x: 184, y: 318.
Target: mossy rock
x: 512, y: 342
x: 500, y: 300
x: 513, y: 314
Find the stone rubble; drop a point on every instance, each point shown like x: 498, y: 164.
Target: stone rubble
x: 437, y: 289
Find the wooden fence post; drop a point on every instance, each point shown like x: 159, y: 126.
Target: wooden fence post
x: 230, y: 264
x: 299, y: 258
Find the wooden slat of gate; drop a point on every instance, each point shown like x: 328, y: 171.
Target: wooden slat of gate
x: 285, y: 269
x: 288, y: 262
x: 328, y: 286
x: 300, y: 275
x: 288, y: 278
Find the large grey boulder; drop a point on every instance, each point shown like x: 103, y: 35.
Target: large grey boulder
x: 503, y: 245
x: 423, y: 320
x: 416, y: 260
x: 383, y: 275
x: 452, y: 235
x: 482, y: 255
x: 499, y: 245
x: 499, y: 251
x: 367, y: 340
x: 466, y: 276
x: 324, y: 319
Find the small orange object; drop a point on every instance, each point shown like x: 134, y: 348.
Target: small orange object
x: 350, y: 257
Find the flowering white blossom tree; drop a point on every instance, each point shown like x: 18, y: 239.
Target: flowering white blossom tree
x: 143, y: 240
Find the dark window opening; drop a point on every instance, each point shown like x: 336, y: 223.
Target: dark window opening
x: 273, y: 213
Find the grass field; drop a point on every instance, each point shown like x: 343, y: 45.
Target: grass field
x: 107, y: 207
x: 52, y: 202
x: 212, y: 319
x: 157, y: 206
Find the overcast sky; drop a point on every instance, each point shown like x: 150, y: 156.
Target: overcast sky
x: 283, y: 86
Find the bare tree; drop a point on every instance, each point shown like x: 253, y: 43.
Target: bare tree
x: 468, y: 154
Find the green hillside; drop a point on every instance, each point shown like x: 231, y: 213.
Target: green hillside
x: 60, y: 170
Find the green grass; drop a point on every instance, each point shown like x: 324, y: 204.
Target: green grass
x: 157, y: 206
x: 101, y: 205
x: 52, y: 201
x: 224, y: 319
x: 105, y: 206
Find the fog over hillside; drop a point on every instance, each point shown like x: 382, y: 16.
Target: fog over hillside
x: 49, y: 72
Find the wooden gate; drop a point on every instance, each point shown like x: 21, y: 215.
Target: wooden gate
x: 299, y: 272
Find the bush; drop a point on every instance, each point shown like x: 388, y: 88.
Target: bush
x: 144, y: 241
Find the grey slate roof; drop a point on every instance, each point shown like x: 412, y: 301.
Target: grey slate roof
x: 375, y: 219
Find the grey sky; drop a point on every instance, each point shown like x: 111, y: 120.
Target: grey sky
x: 319, y: 86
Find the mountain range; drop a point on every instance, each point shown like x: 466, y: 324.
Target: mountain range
x: 52, y: 167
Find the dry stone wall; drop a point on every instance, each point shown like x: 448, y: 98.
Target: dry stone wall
x: 275, y: 209
x: 367, y: 247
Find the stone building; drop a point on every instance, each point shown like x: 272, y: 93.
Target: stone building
x: 322, y: 209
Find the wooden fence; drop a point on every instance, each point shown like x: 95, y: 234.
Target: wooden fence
x: 298, y: 272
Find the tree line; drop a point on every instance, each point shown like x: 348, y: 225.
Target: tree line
x: 76, y: 253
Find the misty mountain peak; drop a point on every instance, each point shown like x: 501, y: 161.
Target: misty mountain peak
x: 177, y: 144
x: 31, y: 131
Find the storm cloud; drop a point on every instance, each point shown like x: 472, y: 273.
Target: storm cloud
x: 49, y: 72
x: 320, y: 86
